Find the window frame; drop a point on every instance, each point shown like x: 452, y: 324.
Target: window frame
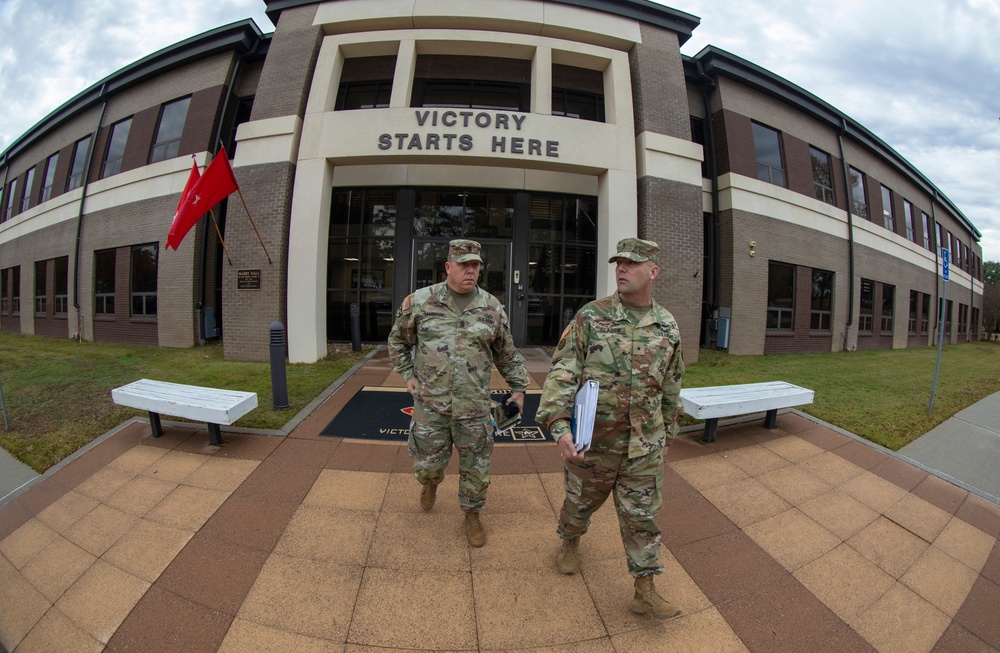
x: 887, y: 320
x: 819, y: 316
x: 866, y: 309
x: 780, y: 318
x: 11, y: 194
x: 78, y: 164
x: 104, y: 302
x: 113, y: 166
x: 60, y: 286
x: 29, y: 179
x: 48, y: 178
x: 597, y: 99
x: 762, y: 150
x: 859, y: 193
x: 146, y: 297
x: 928, y: 245
x: 908, y: 220
x: 888, y: 211
x: 822, y: 191
x: 169, y: 147
x: 378, y: 88
x: 41, y: 273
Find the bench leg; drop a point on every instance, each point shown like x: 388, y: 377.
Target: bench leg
x: 711, y: 426
x: 154, y: 424
x: 214, y: 434
x: 771, y: 419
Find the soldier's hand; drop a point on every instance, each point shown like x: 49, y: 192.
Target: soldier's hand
x: 517, y: 398
x: 568, y: 450
x: 411, y: 387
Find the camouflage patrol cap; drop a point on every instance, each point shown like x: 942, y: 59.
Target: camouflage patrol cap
x: 462, y: 250
x: 638, y: 250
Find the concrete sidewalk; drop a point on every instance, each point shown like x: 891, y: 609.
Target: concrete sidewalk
x: 803, y: 538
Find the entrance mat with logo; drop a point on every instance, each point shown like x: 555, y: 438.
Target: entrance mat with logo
x: 384, y: 414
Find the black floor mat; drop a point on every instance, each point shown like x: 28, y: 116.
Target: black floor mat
x: 382, y: 414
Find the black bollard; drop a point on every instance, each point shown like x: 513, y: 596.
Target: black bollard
x: 355, y: 327
x: 279, y: 386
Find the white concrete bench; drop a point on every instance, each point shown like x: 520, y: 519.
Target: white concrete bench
x: 714, y: 402
x: 209, y: 405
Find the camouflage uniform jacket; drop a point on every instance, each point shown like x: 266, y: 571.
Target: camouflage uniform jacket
x: 451, y: 354
x: 638, y: 366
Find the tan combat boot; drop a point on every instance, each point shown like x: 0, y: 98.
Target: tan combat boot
x: 427, y: 495
x: 567, y: 562
x: 474, y: 529
x: 647, y: 601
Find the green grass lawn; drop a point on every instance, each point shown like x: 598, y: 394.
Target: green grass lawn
x: 58, y: 392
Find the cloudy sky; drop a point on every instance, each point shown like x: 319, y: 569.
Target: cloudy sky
x: 923, y: 75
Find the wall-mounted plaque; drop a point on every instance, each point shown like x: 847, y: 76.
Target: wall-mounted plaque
x: 248, y: 279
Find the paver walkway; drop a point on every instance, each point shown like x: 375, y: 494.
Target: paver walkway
x: 798, y: 539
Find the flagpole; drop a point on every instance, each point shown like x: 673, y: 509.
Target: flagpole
x: 254, y: 225
x: 211, y: 212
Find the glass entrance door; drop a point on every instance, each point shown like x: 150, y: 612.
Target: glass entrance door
x: 428, y: 267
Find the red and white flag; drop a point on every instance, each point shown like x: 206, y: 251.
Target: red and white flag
x: 200, y: 194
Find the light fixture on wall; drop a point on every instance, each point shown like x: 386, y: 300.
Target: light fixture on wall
x: 753, y: 244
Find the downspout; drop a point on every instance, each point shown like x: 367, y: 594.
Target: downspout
x: 939, y: 322
x: 713, y: 172
x: 79, y: 216
x: 850, y: 232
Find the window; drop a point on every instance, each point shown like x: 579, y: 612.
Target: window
x: 61, y: 286
x: 822, y: 175
x: 169, y: 131
x: 767, y: 150
x: 908, y: 219
x: 866, y: 311
x: 364, y: 95
x: 951, y: 246
x: 244, y: 107
x: 888, y: 216
x: 49, y: 179
x: 79, y: 163
x: 144, y: 279
x: 822, y: 300
x: 366, y: 83
x: 104, y: 282
x: 40, y: 269
x: 925, y: 313
x: 577, y: 92
x: 927, y: 230
x: 947, y: 318
x: 5, y: 291
x: 975, y: 322
x: 116, y: 148
x: 11, y: 191
x: 698, y: 136
x: 780, y: 295
x: 888, y: 307
x: 963, y: 319
x: 940, y: 239
x: 471, y: 94
x: 15, y: 290
x: 29, y: 179
x: 859, y: 194
x: 911, y: 324
x: 471, y: 82
x: 577, y: 104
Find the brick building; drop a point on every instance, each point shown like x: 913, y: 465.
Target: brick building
x: 366, y: 134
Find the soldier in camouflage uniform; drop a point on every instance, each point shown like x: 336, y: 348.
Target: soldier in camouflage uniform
x: 630, y: 345
x: 444, y: 343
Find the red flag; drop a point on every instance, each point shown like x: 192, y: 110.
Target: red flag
x: 174, y: 237
x: 214, y: 185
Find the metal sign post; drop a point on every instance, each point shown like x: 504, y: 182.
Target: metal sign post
x: 941, y: 324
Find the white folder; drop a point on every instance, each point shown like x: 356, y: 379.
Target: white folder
x: 584, y: 412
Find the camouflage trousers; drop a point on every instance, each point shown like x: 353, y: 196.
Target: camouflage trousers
x: 637, y: 487
x: 431, y: 438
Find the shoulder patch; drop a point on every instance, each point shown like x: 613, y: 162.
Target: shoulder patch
x: 406, y: 303
x: 565, y: 332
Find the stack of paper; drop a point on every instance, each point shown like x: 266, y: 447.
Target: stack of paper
x: 584, y: 412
